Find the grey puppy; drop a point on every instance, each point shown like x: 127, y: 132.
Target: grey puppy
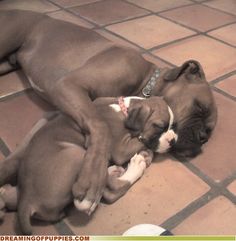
x: 70, y: 66
x: 50, y: 158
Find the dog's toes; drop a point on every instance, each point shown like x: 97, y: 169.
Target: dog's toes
x: 84, y: 205
x: 137, y: 161
x: 79, y: 190
x: 116, y: 171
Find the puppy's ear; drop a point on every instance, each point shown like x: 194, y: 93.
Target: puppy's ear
x: 137, y: 117
x: 190, y: 67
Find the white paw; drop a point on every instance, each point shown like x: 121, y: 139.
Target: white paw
x: 85, y: 206
x: 164, y: 141
x: 135, y: 169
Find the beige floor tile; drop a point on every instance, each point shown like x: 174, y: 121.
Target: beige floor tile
x: 227, y: 34
x: 225, y: 5
x: 207, y: 18
x: 116, y: 39
x: 69, y: 17
x: 232, y: 187
x: 12, y: 83
x: 72, y: 3
x: 215, y: 218
x: 150, y: 31
x: 10, y: 226
x: 213, y: 55
x: 157, y: 62
x: 218, y: 157
x: 109, y: 11
x: 160, y: 5
x: 18, y: 116
x: 166, y: 188
x: 33, y: 5
x: 228, y: 85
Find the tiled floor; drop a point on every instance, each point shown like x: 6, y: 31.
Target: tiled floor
x: 196, y: 197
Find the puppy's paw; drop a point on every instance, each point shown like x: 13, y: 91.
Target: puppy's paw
x: 137, y: 162
x: 148, y: 156
x: 85, y: 206
x: 8, y: 194
x: 115, y: 171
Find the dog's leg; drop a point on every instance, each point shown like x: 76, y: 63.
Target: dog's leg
x: 125, y: 149
x: 119, y: 181
x: 6, y: 67
x: 74, y: 100
x: 9, y: 166
x: 8, y: 199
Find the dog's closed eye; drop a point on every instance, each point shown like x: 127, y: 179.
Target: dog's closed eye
x: 160, y: 126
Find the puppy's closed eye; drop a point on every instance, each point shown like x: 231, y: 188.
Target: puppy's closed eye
x: 160, y: 126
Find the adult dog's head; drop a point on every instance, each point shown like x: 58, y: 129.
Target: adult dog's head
x: 152, y: 121
x: 187, y: 92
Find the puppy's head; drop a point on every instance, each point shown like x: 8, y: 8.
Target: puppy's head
x: 189, y: 96
x: 151, y: 120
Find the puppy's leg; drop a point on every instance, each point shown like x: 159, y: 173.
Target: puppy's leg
x: 8, y: 199
x: 119, y: 181
x: 9, y: 166
x: 75, y: 101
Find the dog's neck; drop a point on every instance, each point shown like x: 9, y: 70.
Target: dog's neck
x: 124, y: 103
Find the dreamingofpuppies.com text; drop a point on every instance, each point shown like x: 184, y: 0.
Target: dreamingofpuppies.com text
x: 44, y: 238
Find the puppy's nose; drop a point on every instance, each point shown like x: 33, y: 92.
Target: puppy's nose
x: 172, y: 142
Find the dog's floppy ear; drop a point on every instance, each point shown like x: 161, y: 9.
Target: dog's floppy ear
x: 191, y: 67
x: 137, y: 117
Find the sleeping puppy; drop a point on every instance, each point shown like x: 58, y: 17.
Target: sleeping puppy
x: 53, y: 152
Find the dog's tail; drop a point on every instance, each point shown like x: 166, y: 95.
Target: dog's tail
x: 24, y: 216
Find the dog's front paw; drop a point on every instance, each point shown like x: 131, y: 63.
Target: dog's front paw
x: 135, y: 169
x: 148, y: 156
x: 115, y: 171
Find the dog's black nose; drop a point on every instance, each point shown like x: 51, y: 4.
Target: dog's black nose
x: 172, y: 142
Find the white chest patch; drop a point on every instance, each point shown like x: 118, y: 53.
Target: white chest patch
x: 127, y: 100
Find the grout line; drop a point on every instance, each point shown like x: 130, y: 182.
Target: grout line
x: 217, y: 189
x: 223, y: 77
x: 219, y: 40
x: 180, y: 216
x: 179, y: 24
x: 4, y: 148
x: 228, y: 180
x: 219, y: 91
x: 16, y: 94
x: 127, y: 19
x: 63, y: 229
x: 219, y: 27
x: 154, y: 12
x: 172, y: 42
x: 220, y: 10
x: 75, y: 14
x: 141, y: 49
